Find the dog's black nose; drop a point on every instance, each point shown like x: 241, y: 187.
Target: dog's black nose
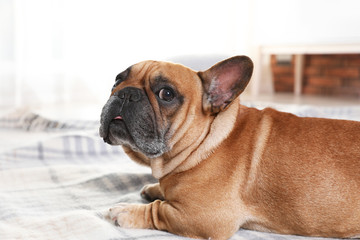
x: 129, y: 93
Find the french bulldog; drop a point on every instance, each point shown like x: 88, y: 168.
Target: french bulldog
x: 222, y: 166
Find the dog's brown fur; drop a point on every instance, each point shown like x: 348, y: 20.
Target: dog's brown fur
x: 237, y: 167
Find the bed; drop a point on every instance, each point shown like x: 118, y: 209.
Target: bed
x: 59, y: 187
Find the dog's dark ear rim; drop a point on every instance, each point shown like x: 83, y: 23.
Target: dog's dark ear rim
x: 224, y: 81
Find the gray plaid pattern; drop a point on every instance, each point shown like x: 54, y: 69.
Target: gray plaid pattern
x: 59, y: 188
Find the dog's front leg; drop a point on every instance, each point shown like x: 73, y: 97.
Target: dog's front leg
x: 162, y: 215
x: 156, y: 215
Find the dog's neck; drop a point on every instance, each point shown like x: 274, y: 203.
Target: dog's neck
x: 218, y: 130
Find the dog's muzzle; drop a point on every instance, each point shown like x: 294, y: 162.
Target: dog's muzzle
x: 113, y: 109
x: 128, y: 119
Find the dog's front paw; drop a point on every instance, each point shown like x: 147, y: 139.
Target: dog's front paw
x: 122, y: 215
x: 128, y: 215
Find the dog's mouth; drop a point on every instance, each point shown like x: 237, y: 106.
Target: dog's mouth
x: 112, y: 124
x: 117, y: 125
x: 133, y: 126
x: 118, y: 118
x: 112, y: 128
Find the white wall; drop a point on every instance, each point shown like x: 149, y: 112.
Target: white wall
x: 71, y: 50
x: 61, y: 51
x: 306, y: 21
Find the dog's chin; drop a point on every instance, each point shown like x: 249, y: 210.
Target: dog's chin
x: 119, y: 135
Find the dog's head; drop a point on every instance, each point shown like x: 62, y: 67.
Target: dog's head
x: 156, y: 107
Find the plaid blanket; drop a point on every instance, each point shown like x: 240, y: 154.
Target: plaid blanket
x: 59, y: 188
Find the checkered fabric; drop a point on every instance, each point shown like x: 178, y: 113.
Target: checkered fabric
x: 59, y: 188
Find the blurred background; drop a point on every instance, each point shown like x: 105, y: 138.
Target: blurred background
x: 69, y: 51
x: 58, y: 63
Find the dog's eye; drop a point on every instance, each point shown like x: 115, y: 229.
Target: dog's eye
x: 166, y: 94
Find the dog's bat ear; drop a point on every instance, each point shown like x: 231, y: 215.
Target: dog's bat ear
x: 224, y: 81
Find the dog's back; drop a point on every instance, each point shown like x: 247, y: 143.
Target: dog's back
x: 304, y: 173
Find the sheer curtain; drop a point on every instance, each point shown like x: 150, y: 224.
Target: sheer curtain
x: 65, y: 51
x: 69, y: 51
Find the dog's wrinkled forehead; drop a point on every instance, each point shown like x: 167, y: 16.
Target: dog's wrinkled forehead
x: 145, y: 73
x: 124, y: 78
